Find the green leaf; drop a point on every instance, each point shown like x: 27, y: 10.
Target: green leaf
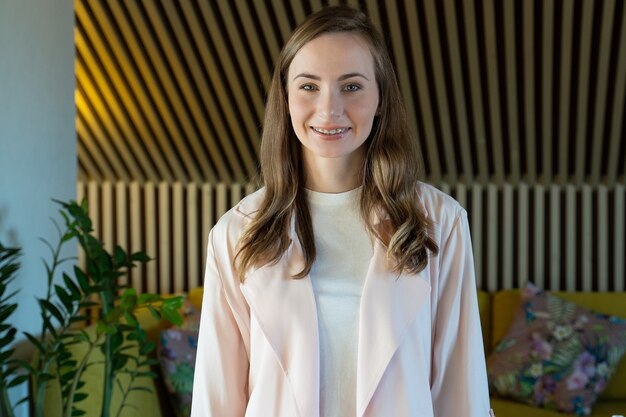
x: 140, y: 257
x: 65, y: 297
x: 77, y: 413
x: 35, y: 342
x: 71, y: 285
x: 120, y: 256
x: 80, y: 396
x: 142, y: 389
x: 8, y: 338
x: 172, y: 315
x: 18, y: 380
x: 147, y: 348
x: 83, y: 281
x: 5, y: 312
x: 52, y: 309
x: 131, y: 319
x: 154, y: 312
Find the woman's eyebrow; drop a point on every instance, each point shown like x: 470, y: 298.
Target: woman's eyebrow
x: 343, y: 77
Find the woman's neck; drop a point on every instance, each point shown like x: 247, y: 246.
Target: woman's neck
x: 333, y: 175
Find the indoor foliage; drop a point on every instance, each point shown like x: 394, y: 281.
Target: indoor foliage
x: 64, y: 315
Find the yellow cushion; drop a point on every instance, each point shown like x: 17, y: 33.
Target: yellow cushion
x: 506, y: 303
x: 195, y: 296
x: 484, y: 309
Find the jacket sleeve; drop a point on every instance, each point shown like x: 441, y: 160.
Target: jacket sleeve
x: 458, y: 374
x: 220, y: 387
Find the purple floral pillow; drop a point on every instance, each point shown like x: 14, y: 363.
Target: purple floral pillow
x: 177, y: 356
x: 556, y: 355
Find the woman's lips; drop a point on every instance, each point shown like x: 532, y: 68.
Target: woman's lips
x: 330, y: 132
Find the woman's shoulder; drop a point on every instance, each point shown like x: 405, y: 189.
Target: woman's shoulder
x: 235, y: 219
x: 436, y: 203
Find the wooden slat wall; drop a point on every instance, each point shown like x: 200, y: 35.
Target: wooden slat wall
x: 497, y: 91
x: 561, y: 238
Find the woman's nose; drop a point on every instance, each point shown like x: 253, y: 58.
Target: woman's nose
x: 330, y: 105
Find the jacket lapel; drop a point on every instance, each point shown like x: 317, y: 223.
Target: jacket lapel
x: 286, y: 312
x: 389, y: 305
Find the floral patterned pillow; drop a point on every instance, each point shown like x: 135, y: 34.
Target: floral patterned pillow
x: 556, y: 354
x: 177, y: 356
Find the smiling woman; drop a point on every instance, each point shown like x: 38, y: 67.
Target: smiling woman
x: 333, y: 99
x: 345, y: 286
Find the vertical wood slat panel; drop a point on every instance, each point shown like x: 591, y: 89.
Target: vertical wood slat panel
x: 539, y: 237
x: 619, y: 222
x: 477, y: 235
x: 492, y: 237
x: 555, y: 252
x: 571, y: 237
x: 586, y: 241
x: 523, y: 231
x: 165, y: 286
x: 136, y: 233
x: 178, y: 231
x: 192, y: 260
x: 570, y: 241
x: 121, y: 220
x: 152, y: 242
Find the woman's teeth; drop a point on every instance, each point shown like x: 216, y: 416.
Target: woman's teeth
x: 332, y: 131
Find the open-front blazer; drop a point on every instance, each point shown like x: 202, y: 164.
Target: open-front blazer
x: 420, y: 351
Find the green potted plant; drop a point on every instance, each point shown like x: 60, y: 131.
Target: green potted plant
x: 117, y: 333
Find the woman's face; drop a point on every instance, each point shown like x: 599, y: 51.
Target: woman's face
x: 333, y: 97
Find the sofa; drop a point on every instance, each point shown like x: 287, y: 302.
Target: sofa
x: 497, y: 311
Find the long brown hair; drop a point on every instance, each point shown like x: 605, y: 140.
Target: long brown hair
x: 389, y: 174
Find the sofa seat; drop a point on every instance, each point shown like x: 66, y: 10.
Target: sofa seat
x: 504, y: 408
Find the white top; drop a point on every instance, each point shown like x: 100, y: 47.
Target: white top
x: 344, y: 251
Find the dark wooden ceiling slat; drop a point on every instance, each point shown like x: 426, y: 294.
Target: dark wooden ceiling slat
x: 182, y: 95
x: 460, y: 100
x: 565, y: 95
x: 445, y: 120
x: 493, y: 89
x: 144, y: 89
x: 547, y: 71
x: 530, y: 117
x: 582, y: 87
x: 194, y: 92
x: 477, y: 108
x: 512, y: 136
x: 617, y: 141
x: 430, y: 150
x: 402, y: 69
x: 597, y: 139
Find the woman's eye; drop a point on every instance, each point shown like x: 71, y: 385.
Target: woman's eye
x: 352, y: 87
x: 307, y: 87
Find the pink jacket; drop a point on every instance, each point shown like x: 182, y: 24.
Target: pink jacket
x: 420, y: 351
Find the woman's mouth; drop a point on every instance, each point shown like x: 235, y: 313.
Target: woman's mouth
x: 330, y: 132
